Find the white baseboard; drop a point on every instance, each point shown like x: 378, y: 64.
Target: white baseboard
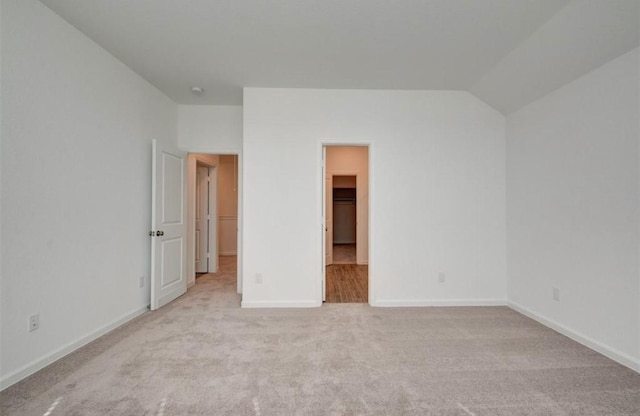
x: 603, y: 349
x: 435, y: 302
x: 281, y: 304
x: 42, y: 362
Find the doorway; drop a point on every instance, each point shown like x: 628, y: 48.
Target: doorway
x: 204, y: 233
x: 344, y: 222
x: 212, y: 217
x: 346, y: 232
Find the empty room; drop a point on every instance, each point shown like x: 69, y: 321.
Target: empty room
x: 291, y: 207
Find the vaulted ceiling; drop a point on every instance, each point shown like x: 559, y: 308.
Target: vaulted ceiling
x: 506, y: 52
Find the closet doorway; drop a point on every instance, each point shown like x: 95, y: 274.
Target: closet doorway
x: 346, y: 218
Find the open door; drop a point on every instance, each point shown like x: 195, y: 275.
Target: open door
x: 327, y: 222
x: 328, y: 218
x: 202, y: 252
x: 168, y: 225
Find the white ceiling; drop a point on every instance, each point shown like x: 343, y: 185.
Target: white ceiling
x: 506, y: 52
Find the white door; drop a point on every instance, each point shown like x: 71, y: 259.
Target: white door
x: 327, y: 223
x: 202, y: 219
x: 168, y: 225
x: 328, y: 214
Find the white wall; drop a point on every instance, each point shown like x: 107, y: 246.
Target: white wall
x: 573, y: 211
x: 354, y: 160
x: 437, y: 194
x: 210, y: 128
x: 77, y: 127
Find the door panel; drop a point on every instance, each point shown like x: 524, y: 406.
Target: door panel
x: 172, y: 176
x: 168, y: 225
x: 327, y: 222
x: 171, y: 269
x: 328, y: 202
x: 202, y: 219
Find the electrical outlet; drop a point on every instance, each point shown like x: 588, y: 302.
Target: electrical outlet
x: 34, y: 322
x: 442, y: 277
x: 259, y: 279
x: 556, y: 294
x: 141, y: 282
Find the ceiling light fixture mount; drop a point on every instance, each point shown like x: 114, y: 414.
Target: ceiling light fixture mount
x: 197, y: 90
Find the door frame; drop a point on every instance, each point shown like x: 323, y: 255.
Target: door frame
x: 212, y: 229
x: 328, y: 215
x: 323, y: 144
x: 194, y: 159
x: 191, y: 259
x: 355, y: 175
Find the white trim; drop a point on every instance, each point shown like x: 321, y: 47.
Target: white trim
x: 323, y: 226
x: 212, y: 231
x: 438, y: 302
x: 371, y: 237
x: 206, y: 150
x: 239, y: 224
x: 281, y: 304
x: 212, y: 264
x: 40, y: 363
x: 607, y: 351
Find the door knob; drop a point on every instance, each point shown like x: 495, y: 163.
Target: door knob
x: 159, y: 233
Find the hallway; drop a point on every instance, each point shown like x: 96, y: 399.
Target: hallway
x: 347, y: 283
x: 344, y: 254
x: 218, y: 290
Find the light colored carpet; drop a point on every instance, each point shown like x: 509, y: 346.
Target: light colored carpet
x: 202, y: 355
